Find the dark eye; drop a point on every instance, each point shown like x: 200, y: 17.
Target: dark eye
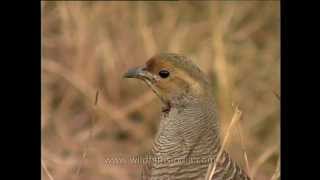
x: 164, y: 73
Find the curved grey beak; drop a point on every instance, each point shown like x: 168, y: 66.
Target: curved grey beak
x: 135, y: 73
x: 140, y: 73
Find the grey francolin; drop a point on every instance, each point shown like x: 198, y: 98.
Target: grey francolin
x: 188, y: 137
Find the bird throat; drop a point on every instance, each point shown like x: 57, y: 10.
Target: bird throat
x: 166, y: 103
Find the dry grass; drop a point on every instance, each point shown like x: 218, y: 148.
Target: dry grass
x: 87, y: 46
x: 212, y: 167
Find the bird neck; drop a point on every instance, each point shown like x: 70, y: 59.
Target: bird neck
x: 189, y: 128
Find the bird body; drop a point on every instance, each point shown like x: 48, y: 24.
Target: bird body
x: 188, y: 137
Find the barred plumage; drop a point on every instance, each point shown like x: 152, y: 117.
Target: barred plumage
x: 188, y: 137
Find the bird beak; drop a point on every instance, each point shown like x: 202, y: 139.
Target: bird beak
x: 134, y: 73
x: 139, y: 73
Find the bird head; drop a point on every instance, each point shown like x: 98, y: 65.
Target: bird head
x: 172, y: 77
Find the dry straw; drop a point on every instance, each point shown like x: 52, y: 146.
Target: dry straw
x: 212, y: 167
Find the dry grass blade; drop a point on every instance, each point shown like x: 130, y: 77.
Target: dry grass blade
x: 96, y: 99
x: 212, y: 167
x: 277, y: 95
x: 263, y: 158
x: 46, y: 170
x: 84, y: 155
x: 92, y: 120
x: 276, y: 174
x: 221, y: 64
x: 245, y: 156
x: 146, y: 32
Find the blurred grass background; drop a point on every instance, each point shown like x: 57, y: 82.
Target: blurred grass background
x: 87, y: 46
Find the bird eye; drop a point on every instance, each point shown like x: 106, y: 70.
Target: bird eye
x: 164, y: 73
